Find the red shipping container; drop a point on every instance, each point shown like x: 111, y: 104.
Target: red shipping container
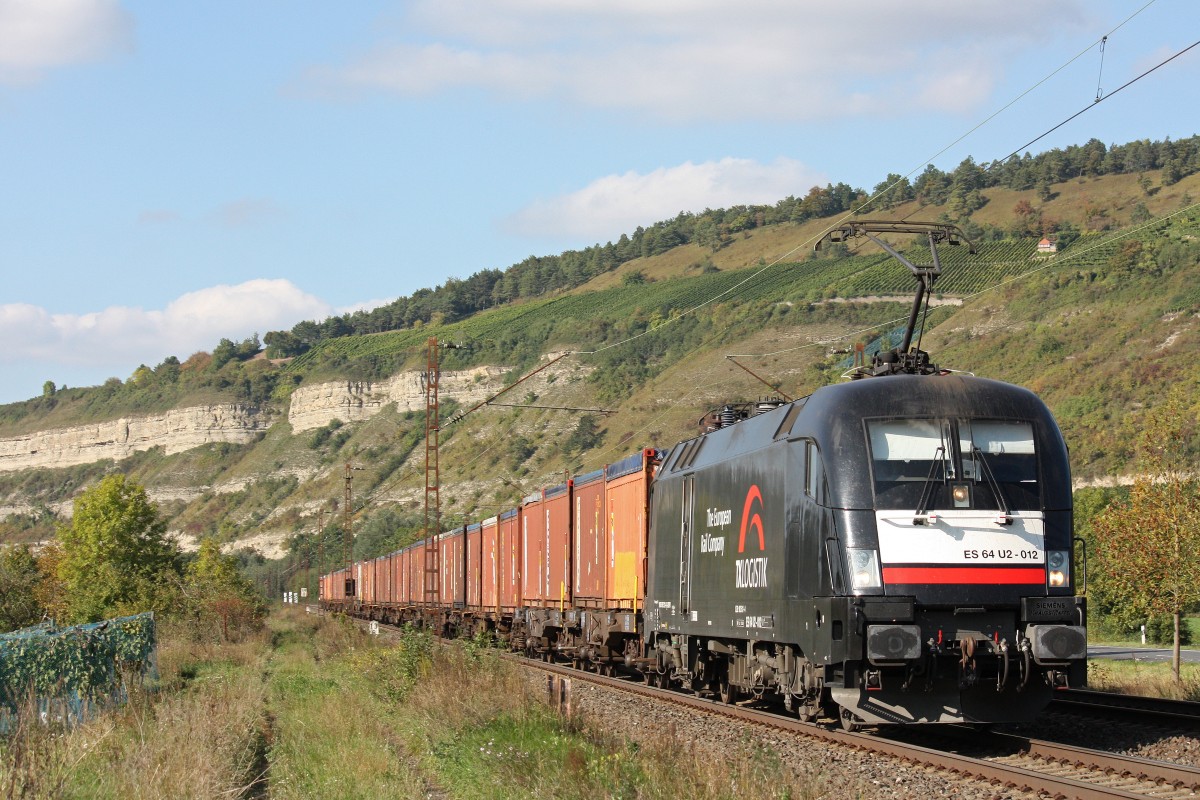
x: 452, y: 551
x: 394, y: 578
x: 626, y: 490
x: 393, y: 589
x: 510, y: 560
x: 366, y: 572
x: 474, y: 565
x: 588, y: 557
x: 340, y: 578
x: 556, y: 507
x: 394, y: 561
x: 533, y: 551
x: 489, y: 563
x: 405, y: 576
x: 416, y: 574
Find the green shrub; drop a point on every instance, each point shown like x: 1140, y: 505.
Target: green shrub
x: 1161, y: 630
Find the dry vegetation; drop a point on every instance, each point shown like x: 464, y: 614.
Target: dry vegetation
x: 315, y: 708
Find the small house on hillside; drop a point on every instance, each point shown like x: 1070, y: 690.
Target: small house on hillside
x: 1047, y: 245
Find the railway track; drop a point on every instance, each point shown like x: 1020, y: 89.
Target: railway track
x: 1012, y: 762
x: 1002, y: 760
x: 1152, y: 710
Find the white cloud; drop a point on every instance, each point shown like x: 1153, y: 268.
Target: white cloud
x: 680, y: 61
x: 36, y: 35
x: 617, y: 203
x: 121, y: 337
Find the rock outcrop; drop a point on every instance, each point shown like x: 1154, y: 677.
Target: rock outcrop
x: 175, y: 431
x: 354, y: 401
x: 311, y: 407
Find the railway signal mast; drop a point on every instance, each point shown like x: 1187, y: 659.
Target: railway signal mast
x: 433, y: 500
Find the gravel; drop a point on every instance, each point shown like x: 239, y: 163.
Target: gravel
x: 1143, y: 741
x: 822, y: 769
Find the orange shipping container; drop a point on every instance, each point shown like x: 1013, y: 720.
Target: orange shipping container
x: 416, y: 573
x: 626, y: 490
x: 474, y: 567
x: 510, y: 560
x: 588, y: 559
x: 489, y: 563
x: 556, y: 508
x: 452, y: 551
x: 406, y: 596
x: 533, y: 551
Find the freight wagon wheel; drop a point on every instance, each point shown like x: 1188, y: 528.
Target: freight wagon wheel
x: 727, y: 692
x: 664, y: 680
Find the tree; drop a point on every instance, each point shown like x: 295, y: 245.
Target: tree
x: 48, y: 389
x: 1149, y: 545
x: 19, y: 579
x: 115, y: 556
x: 585, y: 436
x: 220, y: 593
x: 223, y: 353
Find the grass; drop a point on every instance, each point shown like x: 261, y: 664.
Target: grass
x: 312, y: 707
x: 331, y: 736
x: 1147, y: 679
x: 200, y: 735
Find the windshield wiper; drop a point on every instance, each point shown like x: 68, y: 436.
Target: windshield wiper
x: 939, y: 457
x: 992, y: 483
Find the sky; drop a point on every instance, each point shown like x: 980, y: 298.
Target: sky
x: 176, y: 173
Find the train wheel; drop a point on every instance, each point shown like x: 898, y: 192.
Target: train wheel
x: 850, y: 723
x: 727, y: 692
x: 663, y: 680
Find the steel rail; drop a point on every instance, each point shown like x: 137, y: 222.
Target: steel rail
x: 1153, y: 709
x: 1010, y: 776
x: 1159, y: 779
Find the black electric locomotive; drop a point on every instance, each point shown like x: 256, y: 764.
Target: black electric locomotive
x: 896, y: 549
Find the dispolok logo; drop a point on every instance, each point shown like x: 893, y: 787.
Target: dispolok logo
x: 751, y: 573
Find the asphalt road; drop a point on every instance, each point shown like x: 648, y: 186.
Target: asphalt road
x: 1128, y: 653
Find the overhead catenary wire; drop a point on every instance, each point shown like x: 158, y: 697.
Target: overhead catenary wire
x: 1056, y: 261
x: 868, y: 202
x: 1097, y: 101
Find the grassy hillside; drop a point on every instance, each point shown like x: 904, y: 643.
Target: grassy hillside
x: 1101, y: 331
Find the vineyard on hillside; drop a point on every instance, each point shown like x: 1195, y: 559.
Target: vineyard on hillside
x: 597, y: 318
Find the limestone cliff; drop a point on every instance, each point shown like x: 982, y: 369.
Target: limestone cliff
x: 175, y: 431
x: 354, y: 401
x: 185, y: 428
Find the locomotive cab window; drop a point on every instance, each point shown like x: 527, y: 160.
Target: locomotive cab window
x: 931, y: 465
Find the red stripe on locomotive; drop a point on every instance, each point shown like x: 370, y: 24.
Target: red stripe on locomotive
x: 965, y: 575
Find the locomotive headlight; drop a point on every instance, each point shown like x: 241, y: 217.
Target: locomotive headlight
x: 961, y: 494
x: 1058, y: 566
x: 864, y: 569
